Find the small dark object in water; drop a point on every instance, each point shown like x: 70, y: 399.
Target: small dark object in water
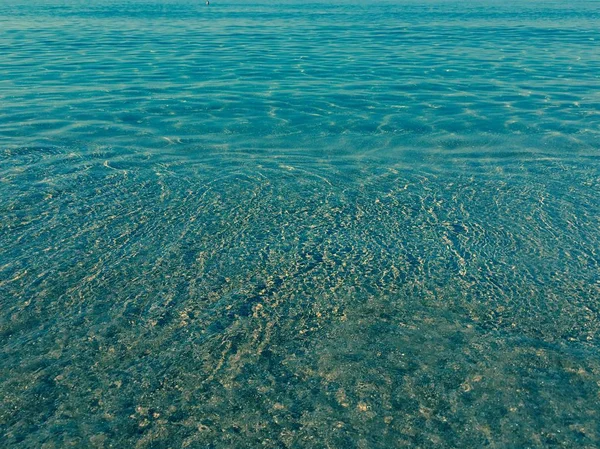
x: 207, y: 3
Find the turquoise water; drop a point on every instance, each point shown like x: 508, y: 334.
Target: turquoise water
x: 332, y: 224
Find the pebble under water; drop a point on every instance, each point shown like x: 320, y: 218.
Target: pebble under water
x: 335, y: 224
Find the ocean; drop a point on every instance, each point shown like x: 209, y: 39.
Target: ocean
x: 299, y: 224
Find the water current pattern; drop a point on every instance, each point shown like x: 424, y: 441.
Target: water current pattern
x: 330, y: 224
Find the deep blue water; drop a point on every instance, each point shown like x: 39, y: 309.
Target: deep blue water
x: 293, y: 224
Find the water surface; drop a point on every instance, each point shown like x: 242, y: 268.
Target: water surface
x: 332, y: 224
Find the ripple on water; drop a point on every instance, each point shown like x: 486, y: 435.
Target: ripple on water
x: 331, y: 225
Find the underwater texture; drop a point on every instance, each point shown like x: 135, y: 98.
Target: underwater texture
x: 330, y: 224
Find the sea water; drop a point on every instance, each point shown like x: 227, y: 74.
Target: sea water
x: 329, y: 224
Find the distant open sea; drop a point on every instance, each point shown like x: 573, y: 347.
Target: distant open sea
x: 299, y: 224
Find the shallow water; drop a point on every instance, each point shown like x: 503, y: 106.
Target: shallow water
x: 333, y: 224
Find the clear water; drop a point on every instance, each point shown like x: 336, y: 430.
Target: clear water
x: 331, y: 224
